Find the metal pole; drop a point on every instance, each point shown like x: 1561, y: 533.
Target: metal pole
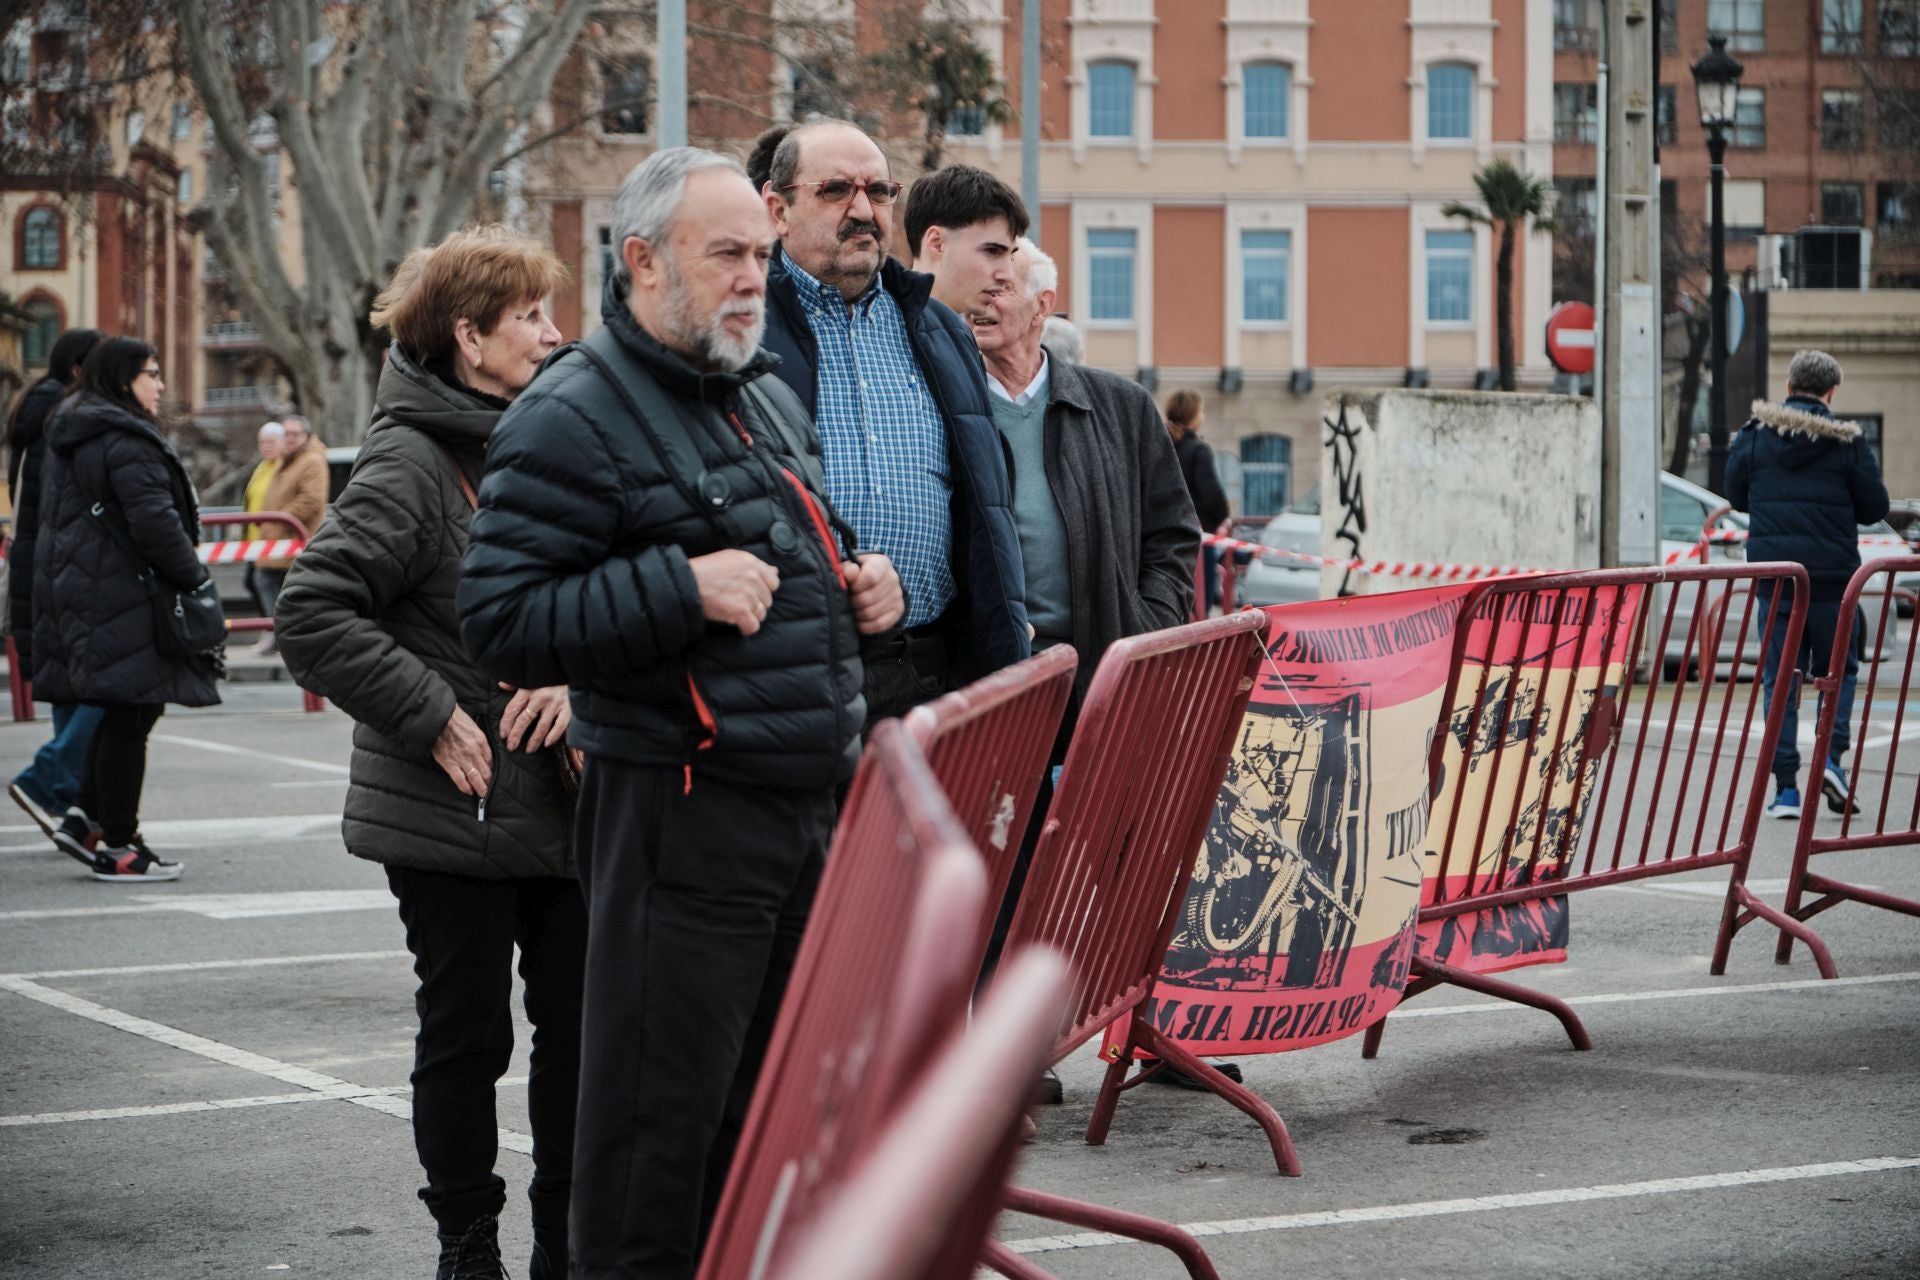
x: 1030, y: 111
x: 673, y: 73
x: 1599, y: 374
x: 1717, y: 393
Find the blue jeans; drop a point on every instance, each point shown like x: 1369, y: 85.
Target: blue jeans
x: 1822, y: 617
x: 53, y: 777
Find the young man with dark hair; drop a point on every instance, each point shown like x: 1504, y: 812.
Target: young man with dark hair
x: 962, y: 225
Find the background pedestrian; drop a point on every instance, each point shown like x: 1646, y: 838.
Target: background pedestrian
x: 299, y: 489
x: 1186, y: 414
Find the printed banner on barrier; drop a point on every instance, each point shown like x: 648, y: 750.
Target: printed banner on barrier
x: 1298, y: 922
x: 1537, y: 699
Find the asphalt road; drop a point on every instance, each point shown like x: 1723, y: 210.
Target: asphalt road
x: 207, y: 1078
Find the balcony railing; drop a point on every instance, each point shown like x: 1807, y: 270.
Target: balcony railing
x: 231, y: 336
x: 228, y: 399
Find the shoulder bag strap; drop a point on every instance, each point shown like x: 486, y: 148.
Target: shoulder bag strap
x: 460, y: 476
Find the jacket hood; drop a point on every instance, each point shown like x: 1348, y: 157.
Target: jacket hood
x: 1806, y: 431
x: 86, y: 416
x: 668, y: 367
x: 409, y: 395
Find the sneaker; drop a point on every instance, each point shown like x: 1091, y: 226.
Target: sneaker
x: 40, y: 813
x: 1786, y: 803
x: 78, y: 836
x: 267, y: 645
x: 133, y: 862
x: 474, y: 1254
x: 1834, y: 786
x: 1172, y: 1075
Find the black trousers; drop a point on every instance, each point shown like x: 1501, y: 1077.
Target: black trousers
x: 696, y: 899
x: 462, y: 931
x: 116, y: 771
x: 904, y: 672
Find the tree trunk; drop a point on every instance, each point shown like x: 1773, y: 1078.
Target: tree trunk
x: 1697, y: 336
x: 1503, y: 305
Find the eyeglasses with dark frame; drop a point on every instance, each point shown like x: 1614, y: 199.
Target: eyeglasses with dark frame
x: 840, y: 190
x: 154, y: 372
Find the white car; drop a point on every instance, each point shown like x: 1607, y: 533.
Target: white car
x: 1684, y: 508
x: 1266, y: 580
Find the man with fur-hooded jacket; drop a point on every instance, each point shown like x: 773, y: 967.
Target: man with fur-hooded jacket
x: 1808, y: 480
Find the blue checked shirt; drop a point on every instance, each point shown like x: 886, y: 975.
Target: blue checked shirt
x: 885, y: 441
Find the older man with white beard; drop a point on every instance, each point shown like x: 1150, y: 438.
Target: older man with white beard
x: 654, y: 532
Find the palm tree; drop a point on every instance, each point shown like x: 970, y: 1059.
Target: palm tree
x: 1512, y: 199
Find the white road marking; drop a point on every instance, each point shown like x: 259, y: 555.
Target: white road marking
x: 1485, y: 1204
x: 216, y: 1104
x: 313, y: 782
x: 228, y: 1055
x: 226, y: 906
x: 1672, y: 993
x: 196, y: 966
x: 222, y: 748
x: 178, y: 832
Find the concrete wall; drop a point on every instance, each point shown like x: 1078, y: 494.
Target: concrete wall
x: 1875, y: 334
x: 1458, y: 477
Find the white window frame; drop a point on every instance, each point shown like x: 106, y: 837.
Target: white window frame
x: 626, y: 53
x: 1473, y: 83
x: 1110, y: 32
x: 1267, y: 31
x: 1425, y: 217
x: 1095, y: 253
x: 1457, y: 32
x: 1115, y: 215
x: 1266, y: 215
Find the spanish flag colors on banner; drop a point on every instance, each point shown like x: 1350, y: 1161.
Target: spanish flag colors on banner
x: 1299, y: 920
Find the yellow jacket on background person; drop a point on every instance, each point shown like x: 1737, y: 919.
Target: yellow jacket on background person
x: 257, y: 485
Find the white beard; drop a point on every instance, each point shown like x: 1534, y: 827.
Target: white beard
x: 709, y: 336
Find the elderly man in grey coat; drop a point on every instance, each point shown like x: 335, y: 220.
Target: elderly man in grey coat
x: 1107, y: 531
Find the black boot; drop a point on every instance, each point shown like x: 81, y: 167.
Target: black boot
x: 549, y: 1261
x: 548, y: 1198
x: 474, y: 1254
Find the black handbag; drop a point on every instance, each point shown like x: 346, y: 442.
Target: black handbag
x: 185, y: 623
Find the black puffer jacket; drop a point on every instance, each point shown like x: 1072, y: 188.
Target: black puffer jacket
x: 578, y: 573
x: 1809, y: 481
x: 93, y: 629
x: 23, y: 482
x: 367, y: 619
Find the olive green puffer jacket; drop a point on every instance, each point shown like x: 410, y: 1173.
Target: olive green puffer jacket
x: 367, y: 620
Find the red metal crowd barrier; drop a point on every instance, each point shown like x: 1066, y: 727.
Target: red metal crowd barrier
x: 988, y: 744
x: 1583, y: 784
x: 881, y: 981
x: 920, y: 1204
x: 1877, y: 792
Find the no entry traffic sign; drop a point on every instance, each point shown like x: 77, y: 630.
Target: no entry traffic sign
x: 1570, y: 337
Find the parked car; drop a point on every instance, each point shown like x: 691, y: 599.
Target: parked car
x: 1273, y: 579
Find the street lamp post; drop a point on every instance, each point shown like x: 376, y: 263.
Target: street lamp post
x: 1716, y: 78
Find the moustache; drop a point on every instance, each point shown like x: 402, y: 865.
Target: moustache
x: 862, y: 228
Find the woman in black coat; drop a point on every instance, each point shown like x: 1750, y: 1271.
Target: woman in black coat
x: 94, y: 638
x: 51, y: 783
x: 457, y: 785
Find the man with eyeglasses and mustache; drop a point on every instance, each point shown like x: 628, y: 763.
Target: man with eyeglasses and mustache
x: 895, y: 386
x: 653, y: 532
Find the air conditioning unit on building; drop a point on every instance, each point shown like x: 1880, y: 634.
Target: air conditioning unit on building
x: 1834, y: 257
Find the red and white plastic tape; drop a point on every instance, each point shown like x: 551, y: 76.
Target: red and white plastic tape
x: 248, y: 552
x: 1385, y: 568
